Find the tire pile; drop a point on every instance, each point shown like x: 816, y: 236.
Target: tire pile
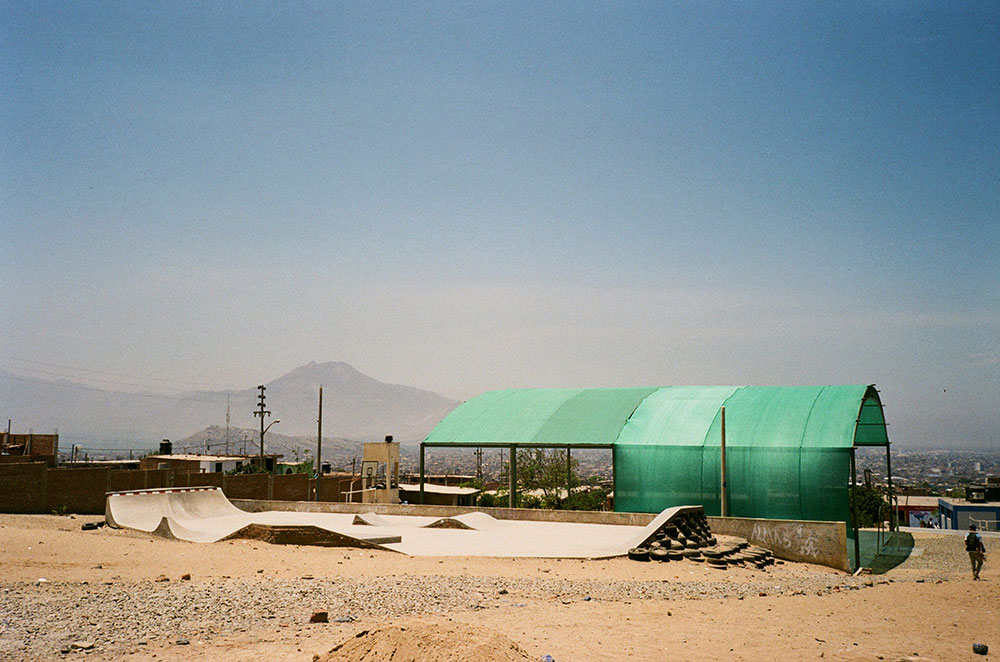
x: 687, y: 536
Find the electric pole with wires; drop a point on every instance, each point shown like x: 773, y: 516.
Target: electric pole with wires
x: 262, y: 412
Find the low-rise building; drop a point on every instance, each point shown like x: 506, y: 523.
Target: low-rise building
x: 191, y: 463
x: 439, y: 495
x: 960, y: 513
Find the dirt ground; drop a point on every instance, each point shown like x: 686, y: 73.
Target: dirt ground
x: 923, y: 611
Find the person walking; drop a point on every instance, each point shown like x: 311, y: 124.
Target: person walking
x: 976, y: 549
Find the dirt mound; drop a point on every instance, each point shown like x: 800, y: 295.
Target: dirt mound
x: 425, y: 641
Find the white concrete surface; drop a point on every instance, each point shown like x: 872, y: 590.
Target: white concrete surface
x: 206, y: 515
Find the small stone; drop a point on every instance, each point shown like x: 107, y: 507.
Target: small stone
x: 319, y: 617
x: 182, y: 642
x: 980, y: 649
x: 502, y: 591
x: 82, y: 645
x: 344, y: 619
x: 162, y: 578
x: 186, y: 577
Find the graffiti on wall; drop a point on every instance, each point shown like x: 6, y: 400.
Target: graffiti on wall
x: 795, y: 538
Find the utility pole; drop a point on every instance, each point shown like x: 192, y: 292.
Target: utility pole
x: 262, y: 412
x: 479, y: 465
x: 227, y: 424
x: 319, y: 444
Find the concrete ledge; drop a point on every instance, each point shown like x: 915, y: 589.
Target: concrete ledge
x: 822, y: 543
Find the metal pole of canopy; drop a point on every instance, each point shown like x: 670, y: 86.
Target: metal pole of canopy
x: 854, y: 510
x: 421, y: 474
x: 569, y: 473
x: 888, y: 476
x: 614, y: 481
x: 513, y: 476
x: 723, y: 495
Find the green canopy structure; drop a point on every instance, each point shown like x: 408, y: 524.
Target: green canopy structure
x: 789, y: 450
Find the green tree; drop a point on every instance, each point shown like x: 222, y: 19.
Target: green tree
x: 545, y: 470
x: 868, y: 506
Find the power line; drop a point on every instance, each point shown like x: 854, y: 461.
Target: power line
x: 113, y: 374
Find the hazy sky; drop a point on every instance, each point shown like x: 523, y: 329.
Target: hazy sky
x: 469, y: 196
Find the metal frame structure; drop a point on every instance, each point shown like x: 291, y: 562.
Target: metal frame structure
x: 513, y: 447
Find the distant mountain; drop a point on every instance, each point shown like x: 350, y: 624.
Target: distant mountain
x: 355, y: 406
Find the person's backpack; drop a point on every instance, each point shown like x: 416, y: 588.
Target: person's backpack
x: 971, y: 542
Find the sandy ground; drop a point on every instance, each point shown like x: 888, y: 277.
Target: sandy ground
x: 928, y: 608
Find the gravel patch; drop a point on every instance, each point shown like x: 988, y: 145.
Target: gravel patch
x: 40, y: 620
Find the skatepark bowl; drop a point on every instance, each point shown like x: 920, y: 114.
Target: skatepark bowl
x: 204, y: 514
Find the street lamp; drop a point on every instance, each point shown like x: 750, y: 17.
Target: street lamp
x: 262, y: 440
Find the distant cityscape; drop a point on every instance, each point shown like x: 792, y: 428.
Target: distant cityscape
x: 934, y: 472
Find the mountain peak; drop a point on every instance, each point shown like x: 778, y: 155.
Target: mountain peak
x: 319, y: 373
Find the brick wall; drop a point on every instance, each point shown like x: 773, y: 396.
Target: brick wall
x: 17, y: 459
x: 199, y: 479
x: 32, y: 487
x: 249, y: 486
x: 22, y: 488
x: 291, y: 487
x: 137, y: 480
x: 77, y: 490
x: 37, y: 444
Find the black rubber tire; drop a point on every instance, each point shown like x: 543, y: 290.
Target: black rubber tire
x: 638, y: 554
x: 659, y: 554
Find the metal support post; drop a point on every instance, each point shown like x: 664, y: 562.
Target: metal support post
x: 614, y: 481
x: 853, y: 511
x: 513, y: 476
x: 893, y: 523
x: 569, y: 473
x: 723, y: 495
x: 421, y: 474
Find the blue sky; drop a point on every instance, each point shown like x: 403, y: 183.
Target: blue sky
x: 466, y: 196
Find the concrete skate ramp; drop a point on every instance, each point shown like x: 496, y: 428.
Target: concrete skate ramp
x: 206, y: 515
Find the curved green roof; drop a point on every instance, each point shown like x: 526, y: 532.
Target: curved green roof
x: 756, y: 416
